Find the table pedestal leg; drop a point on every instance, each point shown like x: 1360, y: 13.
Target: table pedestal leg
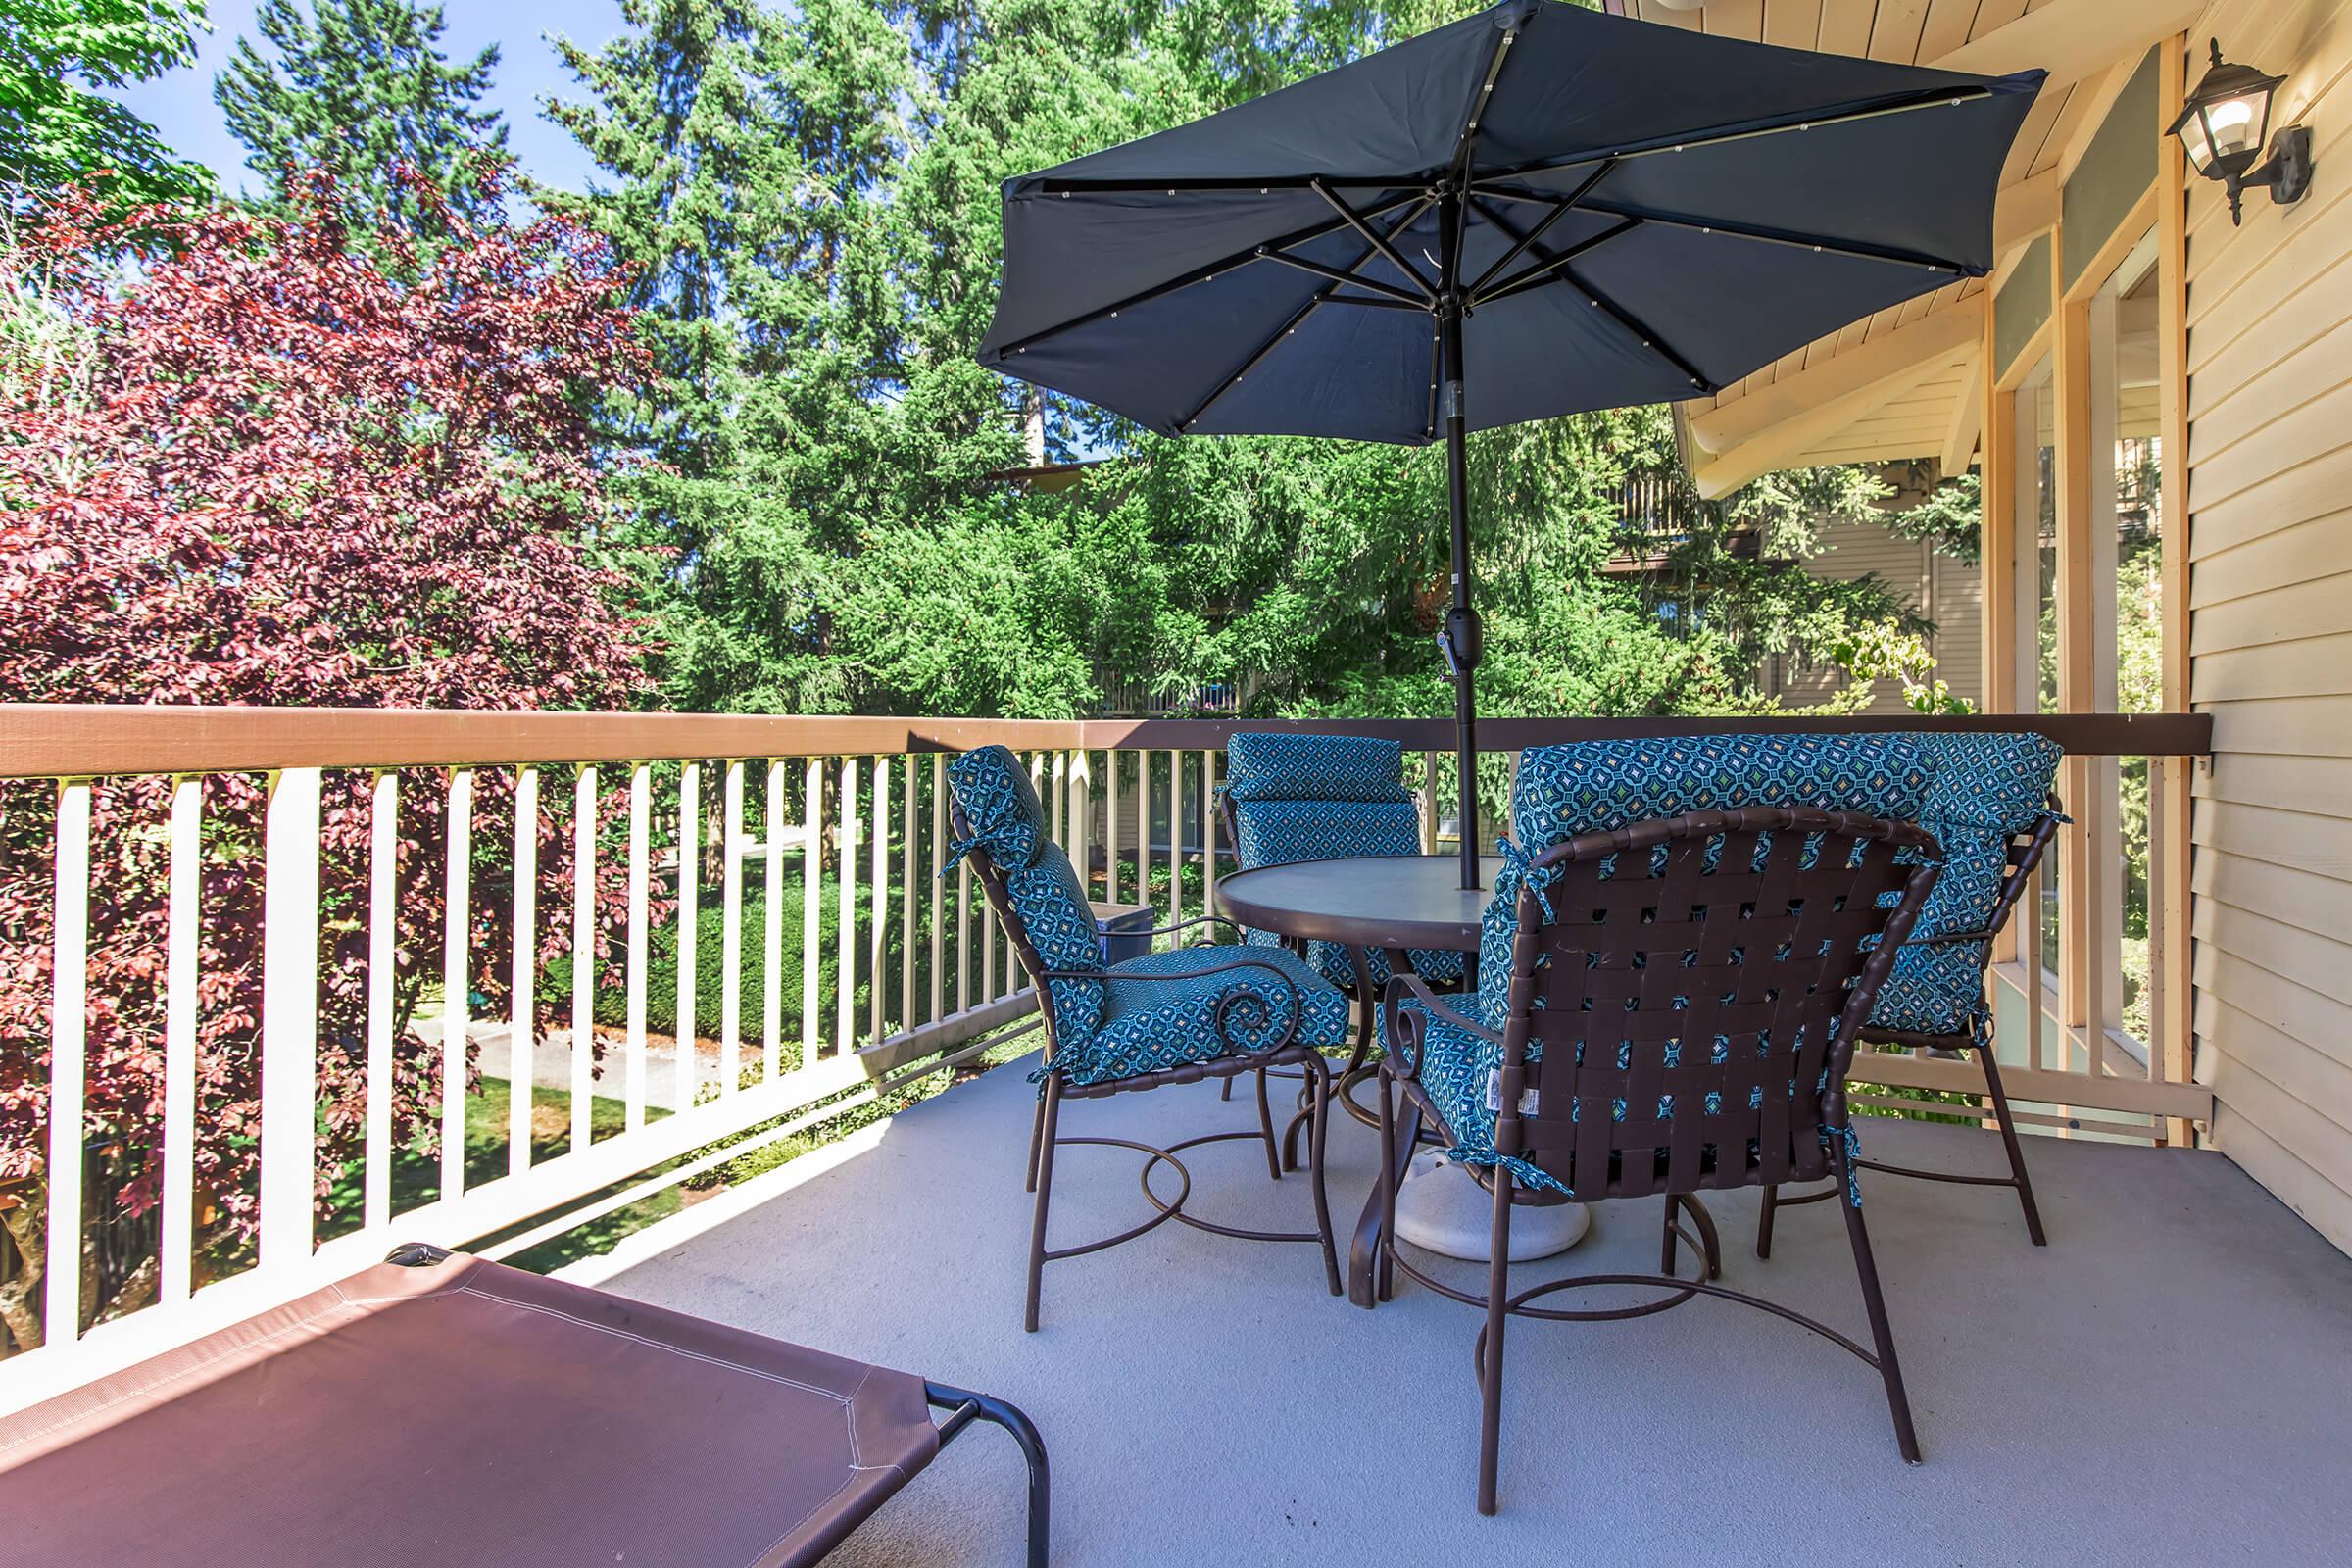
x: 1363, y: 1249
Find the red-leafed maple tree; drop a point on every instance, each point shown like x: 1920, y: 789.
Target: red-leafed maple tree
x: 255, y: 468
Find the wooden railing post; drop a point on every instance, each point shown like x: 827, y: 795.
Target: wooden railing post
x: 523, y: 1023
x: 69, y: 1056
x: 289, y: 1020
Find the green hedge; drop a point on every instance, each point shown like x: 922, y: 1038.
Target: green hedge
x: 662, y: 965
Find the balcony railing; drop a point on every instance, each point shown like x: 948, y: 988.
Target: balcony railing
x: 326, y: 829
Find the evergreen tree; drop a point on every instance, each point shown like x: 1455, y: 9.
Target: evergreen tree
x: 813, y: 194
x: 54, y: 131
x: 360, y: 88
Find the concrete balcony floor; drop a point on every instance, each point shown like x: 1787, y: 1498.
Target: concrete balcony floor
x: 2170, y: 1379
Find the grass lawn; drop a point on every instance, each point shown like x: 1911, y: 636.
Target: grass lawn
x: 417, y: 1176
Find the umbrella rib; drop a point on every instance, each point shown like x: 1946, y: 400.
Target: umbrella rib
x: 1321, y: 295
x: 1560, y: 269
x: 1467, y: 140
x: 1930, y: 98
x: 1379, y: 242
x: 1546, y: 269
x: 1782, y: 236
x: 1261, y: 183
x: 1519, y: 249
x: 1339, y: 275
x: 1202, y: 274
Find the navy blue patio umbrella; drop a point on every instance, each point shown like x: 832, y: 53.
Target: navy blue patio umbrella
x: 1532, y: 212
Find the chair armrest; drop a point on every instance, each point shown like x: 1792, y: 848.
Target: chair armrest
x: 1401, y: 1026
x: 1186, y: 925
x: 1245, y: 1003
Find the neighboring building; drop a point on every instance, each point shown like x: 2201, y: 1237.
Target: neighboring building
x: 1948, y: 592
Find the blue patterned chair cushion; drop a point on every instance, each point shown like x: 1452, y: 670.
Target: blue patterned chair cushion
x: 1277, y: 832
x: 1276, y: 823
x: 1986, y: 788
x: 1148, y: 1026
x: 1000, y: 803
x: 1007, y: 820
x: 1061, y: 925
x: 1591, y: 786
x: 1104, y: 1030
x: 1314, y: 767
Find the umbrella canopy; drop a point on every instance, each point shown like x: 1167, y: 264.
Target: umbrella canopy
x: 1535, y: 211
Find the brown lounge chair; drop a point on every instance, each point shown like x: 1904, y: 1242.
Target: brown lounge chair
x: 438, y: 1408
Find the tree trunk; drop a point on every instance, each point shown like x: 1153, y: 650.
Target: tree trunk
x: 18, y: 1295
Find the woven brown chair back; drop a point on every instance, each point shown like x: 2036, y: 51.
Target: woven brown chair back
x: 2024, y: 853
x: 1696, y: 985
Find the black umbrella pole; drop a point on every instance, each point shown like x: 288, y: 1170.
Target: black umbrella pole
x: 1461, y: 630
x: 1461, y: 620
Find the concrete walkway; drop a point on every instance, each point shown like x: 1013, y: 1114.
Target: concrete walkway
x: 666, y: 1088
x: 2170, y: 1380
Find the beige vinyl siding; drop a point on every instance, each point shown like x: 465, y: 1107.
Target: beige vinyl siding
x: 2269, y: 543
x: 1955, y: 602
x: 1948, y: 592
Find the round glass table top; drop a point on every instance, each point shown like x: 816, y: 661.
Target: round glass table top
x: 1403, y: 901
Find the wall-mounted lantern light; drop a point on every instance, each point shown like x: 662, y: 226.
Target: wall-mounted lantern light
x: 2223, y: 126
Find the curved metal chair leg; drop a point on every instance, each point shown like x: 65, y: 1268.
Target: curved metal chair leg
x: 1874, y: 1302
x: 1321, y: 1077
x: 1489, y: 1369
x: 1666, y: 1246
x: 1047, y: 1125
x: 2009, y: 1142
x: 1367, y: 1006
x: 1300, y: 1119
x: 1037, y: 1139
x: 1772, y: 1201
x: 1371, y: 1275
x: 1709, y: 1238
x: 1265, y: 1128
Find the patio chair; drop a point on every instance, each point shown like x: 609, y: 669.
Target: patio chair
x: 1289, y: 798
x: 1988, y: 803
x: 1180, y: 1016
x: 1680, y: 1002
x: 443, y: 1408
x: 1985, y: 796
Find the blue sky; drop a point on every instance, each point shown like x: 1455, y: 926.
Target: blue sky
x: 180, y: 105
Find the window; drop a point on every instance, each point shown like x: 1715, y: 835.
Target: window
x: 2128, y: 603
x: 2035, y: 468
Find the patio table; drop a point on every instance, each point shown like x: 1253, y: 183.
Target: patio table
x: 1396, y: 903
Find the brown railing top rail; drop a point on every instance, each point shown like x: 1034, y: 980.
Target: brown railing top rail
x: 84, y: 741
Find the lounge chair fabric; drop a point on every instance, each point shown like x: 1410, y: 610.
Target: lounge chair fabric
x: 462, y: 1412
x: 1146, y: 1027
x: 1266, y: 765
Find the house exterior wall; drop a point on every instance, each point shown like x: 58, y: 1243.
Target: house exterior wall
x: 2268, y: 404
x: 1944, y: 591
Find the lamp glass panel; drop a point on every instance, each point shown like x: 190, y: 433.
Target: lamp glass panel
x: 2236, y: 122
